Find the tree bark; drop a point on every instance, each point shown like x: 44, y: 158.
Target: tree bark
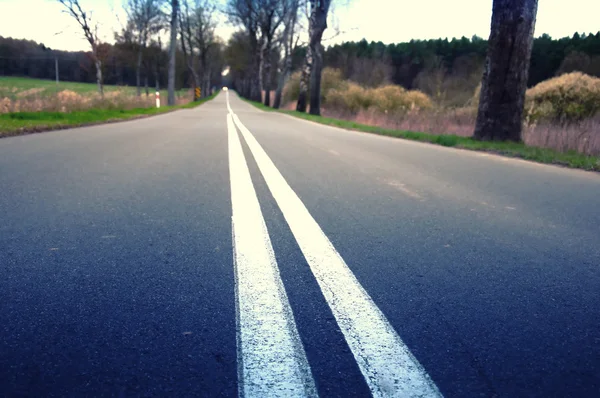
x: 506, y: 71
x: 138, y: 68
x: 172, y: 52
x: 318, y: 23
x: 315, y: 80
x: 304, y: 80
x: 280, y: 85
x: 99, y: 76
x: 267, y: 73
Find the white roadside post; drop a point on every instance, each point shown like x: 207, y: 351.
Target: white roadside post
x: 158, y: 99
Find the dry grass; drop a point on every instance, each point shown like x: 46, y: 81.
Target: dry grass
x: 459, y: 122
x: 69, y: 101
x: 582, y: 136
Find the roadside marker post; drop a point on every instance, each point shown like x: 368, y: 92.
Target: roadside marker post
x: 158, y: 99
x: 197, y: 93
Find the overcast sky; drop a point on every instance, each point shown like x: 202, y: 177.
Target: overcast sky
x: 389, y: 21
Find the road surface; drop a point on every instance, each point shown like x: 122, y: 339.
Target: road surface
x: 223, y: 251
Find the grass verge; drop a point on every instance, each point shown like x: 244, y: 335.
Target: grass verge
x: 19, y: 123
x: 511, y: 149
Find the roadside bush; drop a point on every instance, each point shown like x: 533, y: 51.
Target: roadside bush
x: 351, y: 99
x: 567, y: 98
x: 395, y: 99
x: 292, y: 88
x: 331, y: 79
x: 388, y: 99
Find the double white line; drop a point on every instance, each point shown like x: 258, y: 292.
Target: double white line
x: 272, y: 361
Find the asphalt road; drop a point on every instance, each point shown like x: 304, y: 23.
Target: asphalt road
x: 217, y: 252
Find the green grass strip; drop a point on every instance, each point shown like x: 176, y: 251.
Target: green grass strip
x: 510, y: 149
x: 19, y: 123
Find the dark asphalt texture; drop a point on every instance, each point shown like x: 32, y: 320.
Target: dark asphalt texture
x: 116, y: 267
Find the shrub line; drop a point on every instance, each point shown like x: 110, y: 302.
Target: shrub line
x: 23, y: 123
x: 570, y: 159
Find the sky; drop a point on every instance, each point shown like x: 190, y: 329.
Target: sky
x: 389, y: 21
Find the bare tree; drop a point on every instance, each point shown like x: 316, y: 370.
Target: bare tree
x: 245, y: 13
x: 506, y: 70
x: 313, y: 66
x: 271, y: 14
x: 289, y: 41
x: 187, y: 45
x: 90, y: 31
x: 197, y: 39
x: 205, y: 40
x: 146, y: 18
x: 172, y: 51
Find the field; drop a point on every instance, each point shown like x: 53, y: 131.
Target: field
x: 32, y: 105
x: 23, y: 87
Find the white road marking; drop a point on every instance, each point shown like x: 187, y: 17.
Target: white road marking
x: 271, y: 359
x: 388, y: 366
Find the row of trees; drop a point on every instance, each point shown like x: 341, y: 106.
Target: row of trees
x: 507, y: 54
x: 191, y: 25
x: 277, y: 36
x: 416, y: 64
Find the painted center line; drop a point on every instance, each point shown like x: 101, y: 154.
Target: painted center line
x: 388, y: 366
x: 271, y: 359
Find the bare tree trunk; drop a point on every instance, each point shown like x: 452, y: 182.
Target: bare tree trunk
x: 255, y: 93
x: 267, y: 73
x: 261, y: 65
x: 506, y: 70
x: 172, y: 51
x: 206, y: 84
x: 318, y: 24
x: 283, y: 76
x: 315, y: 80
x: 156, y: 76
x: 146, y: 84
x: 99, y: 77
x: 288, y: 45
x: 304, y: 79
x: 138, y: 72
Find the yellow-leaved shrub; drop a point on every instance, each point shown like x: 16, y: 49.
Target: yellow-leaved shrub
x: 569, y: 97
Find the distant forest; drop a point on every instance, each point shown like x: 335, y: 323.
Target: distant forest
x: 413, y: 65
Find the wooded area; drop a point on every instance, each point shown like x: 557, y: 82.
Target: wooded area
x: 368, y: 63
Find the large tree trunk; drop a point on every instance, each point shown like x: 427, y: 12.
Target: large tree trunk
x: 304, y: 78
x: 506, y: 70
x: 315, y: 80
x: 138, y: 68
x: 172, y: 52
x: 318, y: 24
x: 261, y: 65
